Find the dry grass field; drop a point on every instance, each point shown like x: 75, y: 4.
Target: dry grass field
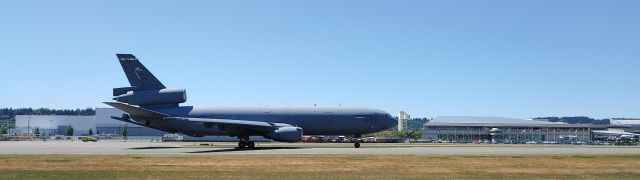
x: 317, y: 167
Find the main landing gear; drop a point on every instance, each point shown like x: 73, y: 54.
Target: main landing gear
x: 357, y: 140
x: 246, y: 143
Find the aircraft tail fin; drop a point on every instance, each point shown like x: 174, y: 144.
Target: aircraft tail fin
x: 139, y: 76
x: 145, y: 90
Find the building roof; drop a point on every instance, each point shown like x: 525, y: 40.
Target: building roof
x: 495, y: 122
x: 486, y: 119
x: 621, y: 121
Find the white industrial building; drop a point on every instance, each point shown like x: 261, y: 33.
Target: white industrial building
x: 101, y: 123
x: 402, y: 120
x: 53, y: 124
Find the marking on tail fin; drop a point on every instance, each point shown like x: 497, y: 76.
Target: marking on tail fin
x: 139, y: 73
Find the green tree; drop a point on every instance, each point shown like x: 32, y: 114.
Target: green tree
x: 36, y: 131
x: 399, y: 134
x: 90, y: 131
x: 415, y: 135
x: 70, y: 130
x: 3, y: 130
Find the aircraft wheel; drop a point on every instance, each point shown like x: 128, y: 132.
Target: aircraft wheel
x: 251, y: 144
x: 242, y: 144
x: 356, y: 145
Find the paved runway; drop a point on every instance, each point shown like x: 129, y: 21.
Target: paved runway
x: 186, y: 148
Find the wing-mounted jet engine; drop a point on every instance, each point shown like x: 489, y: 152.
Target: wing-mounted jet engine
x: 286, y: 134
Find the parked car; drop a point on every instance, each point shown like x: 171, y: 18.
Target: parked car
x: 57, y: 137
x: 88, y: 138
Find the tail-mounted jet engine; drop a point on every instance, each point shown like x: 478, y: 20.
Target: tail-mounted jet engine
x: 170, y: 97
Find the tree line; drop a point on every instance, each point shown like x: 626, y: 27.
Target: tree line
x: 46, y: 111
x: 414, y: 124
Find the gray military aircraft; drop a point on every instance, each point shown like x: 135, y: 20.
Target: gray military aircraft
x: 149, y: 103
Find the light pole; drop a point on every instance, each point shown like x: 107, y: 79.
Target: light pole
x: 29, y: 127
x: 50, y: 126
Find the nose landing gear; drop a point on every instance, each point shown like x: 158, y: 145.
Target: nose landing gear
x: 357, y: 140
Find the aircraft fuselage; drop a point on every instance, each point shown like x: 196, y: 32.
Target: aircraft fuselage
x: 313, y: 120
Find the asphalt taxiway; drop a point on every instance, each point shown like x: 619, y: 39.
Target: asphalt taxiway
x: 186, y: 148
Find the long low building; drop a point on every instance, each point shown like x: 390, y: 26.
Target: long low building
x: 467, y: 129
x: 100, y: 123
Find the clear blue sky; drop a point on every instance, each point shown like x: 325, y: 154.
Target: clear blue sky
x: 430, y: 58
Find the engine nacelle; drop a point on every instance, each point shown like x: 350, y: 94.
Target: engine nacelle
x: 153, y: 97
x: 286, y: 134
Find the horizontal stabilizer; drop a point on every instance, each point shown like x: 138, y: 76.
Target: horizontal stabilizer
x: 136, y: 111
x: 127, y: 120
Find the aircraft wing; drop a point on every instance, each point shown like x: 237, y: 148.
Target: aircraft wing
x: 246, y: 124
x: 233, y: 124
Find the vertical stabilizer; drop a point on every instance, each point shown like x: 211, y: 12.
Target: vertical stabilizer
x: 139, y: 76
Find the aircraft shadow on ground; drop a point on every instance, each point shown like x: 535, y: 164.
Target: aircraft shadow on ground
x: 154, y: 147
x: 245, y: 149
